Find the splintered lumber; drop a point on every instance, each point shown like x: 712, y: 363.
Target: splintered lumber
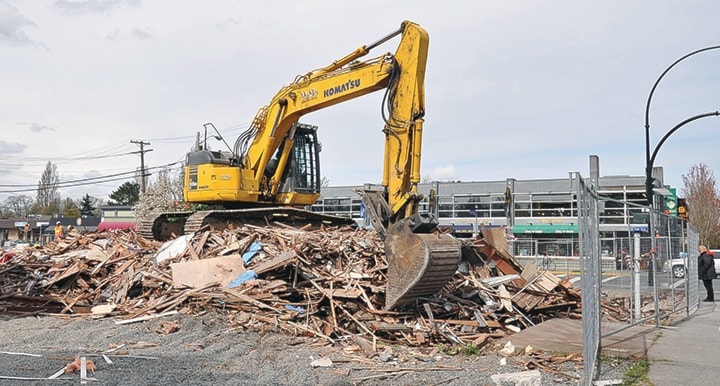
x: 496, y: 238
x: 388, y: 327
x: 547, y: 282
x: 250, y: 300
x: 72, y: 270
x: 326, y: 282
x: 282, y: 260
x: 502, y: 261
x: 526, y: 301
x: 146, y: 317
x: 352, y: 293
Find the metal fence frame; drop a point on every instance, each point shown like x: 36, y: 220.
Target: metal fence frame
x: 590, y: 273
x: 693, y: 296
x: 673, y: 238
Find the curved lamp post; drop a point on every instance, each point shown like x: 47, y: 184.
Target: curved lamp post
x: 651, y: 159
x: 648, y: 160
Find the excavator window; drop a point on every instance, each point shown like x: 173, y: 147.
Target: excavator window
x: 303, y: 172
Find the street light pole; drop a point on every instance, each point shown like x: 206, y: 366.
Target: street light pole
x: 651, y: 159
x: 648, y: 172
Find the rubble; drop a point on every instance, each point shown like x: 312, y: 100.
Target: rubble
x: 328, y: 284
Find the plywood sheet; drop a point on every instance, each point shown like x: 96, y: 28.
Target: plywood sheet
x: 198, y: 273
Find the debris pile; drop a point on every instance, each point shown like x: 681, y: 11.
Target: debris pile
x: 327, y: 283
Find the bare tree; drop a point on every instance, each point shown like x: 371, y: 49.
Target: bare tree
x: 17, y: 205
x: 703, y: 202
x: 47, y: 191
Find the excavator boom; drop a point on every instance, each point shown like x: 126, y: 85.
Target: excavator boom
x: 273, y: 168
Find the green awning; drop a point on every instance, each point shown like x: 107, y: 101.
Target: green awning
x: 545, y: 228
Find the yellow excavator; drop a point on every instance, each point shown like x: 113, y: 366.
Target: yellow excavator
x: 273, y: 170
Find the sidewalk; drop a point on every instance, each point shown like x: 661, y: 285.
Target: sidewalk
x: 688, y: 352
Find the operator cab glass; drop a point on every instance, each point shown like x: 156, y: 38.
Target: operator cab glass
x: 302, y: 173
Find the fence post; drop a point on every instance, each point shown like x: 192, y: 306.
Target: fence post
x: 636, y: 277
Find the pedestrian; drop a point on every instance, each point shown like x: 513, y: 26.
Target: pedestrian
x: 706, y: 271
x: 59, y: 231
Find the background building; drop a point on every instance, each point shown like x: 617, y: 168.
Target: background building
x: 540, y: 215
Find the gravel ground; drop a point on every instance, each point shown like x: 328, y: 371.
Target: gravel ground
x: 207, y: 351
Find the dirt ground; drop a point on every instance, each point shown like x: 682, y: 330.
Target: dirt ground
x: 205, y: 350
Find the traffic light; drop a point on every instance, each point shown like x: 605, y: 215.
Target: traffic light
x: 682, y: 209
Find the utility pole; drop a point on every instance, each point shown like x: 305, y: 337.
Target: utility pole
x: 142, y: 162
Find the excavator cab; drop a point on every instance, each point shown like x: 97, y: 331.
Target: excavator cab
x: 302, y: 174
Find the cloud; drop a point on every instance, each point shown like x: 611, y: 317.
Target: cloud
x: 11, y: 147
x: 11, y: 25
x: 441, y: 173
x: 92, y: 174
x: 135, y: 33
x: 141, y: 34
x: 79, y: 7
x: 112, y: 35
x: 226, y: 24
x: 38, y: 128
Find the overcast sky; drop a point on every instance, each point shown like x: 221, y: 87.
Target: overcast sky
x: 522, y: 89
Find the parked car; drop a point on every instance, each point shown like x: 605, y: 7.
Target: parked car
x: 678, y: 264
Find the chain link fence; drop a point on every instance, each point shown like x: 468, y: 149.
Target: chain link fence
x: 652, y: 279
x: 590, y: 273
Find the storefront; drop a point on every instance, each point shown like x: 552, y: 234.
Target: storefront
x: 545, y: 229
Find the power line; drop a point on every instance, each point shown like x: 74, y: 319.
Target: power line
x: 43, y: 160
x: 82, y: 182
x: 110, y: 151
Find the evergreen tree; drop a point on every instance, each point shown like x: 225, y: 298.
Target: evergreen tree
x: 127, y: 194
x: 86, y: 206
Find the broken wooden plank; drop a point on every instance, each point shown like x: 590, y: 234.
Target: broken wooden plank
x: 144, y: 318
x: 282, y: 260
x: 199, y: 273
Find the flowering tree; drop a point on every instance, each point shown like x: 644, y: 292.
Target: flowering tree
x: 703, y: 203
x: 161, y: 195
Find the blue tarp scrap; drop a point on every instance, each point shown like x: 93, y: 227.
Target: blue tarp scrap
x: 252, y: 250
x: 297, y: 309
x: 246, y: 276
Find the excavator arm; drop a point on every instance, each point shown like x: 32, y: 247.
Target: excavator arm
x: 421, y: 260
x: 401, y: 75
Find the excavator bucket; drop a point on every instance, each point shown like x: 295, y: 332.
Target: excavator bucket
x: 419, y: 264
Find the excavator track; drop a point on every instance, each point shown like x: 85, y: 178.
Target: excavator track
x: 162, y: 226
x: 165, y: 226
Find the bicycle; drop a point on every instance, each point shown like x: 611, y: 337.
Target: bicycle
x: 545, y: 262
